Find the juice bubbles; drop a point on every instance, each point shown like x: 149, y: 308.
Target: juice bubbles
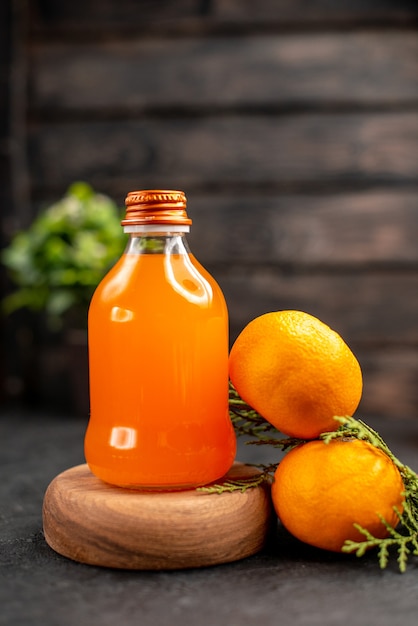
x: 158, y: 357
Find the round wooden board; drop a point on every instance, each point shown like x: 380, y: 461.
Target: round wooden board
x: 92, y: 522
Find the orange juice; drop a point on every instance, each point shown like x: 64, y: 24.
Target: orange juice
x: 158, y: 355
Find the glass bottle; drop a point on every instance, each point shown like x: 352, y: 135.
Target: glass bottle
x: 158, y: 358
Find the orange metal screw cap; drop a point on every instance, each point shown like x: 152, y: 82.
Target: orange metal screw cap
x: 156, y: 206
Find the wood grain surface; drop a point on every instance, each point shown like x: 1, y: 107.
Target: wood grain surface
x: 245, y: 150
x: 192, y: 15
x: 92, y: 522
x: 311, y: 70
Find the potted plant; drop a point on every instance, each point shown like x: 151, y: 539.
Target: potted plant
x: 56, y: 263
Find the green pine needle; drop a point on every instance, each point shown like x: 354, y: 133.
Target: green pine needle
x: 241, y: 484
x: 403, y: 539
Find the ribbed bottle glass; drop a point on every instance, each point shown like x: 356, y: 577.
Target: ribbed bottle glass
x: 158, y: 358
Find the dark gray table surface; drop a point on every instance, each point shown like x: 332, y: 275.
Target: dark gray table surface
x: 288, y: 583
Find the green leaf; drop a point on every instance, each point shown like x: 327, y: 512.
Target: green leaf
x: 57, y: 262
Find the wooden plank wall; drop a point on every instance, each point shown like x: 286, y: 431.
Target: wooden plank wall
x: 291, y: 126
x: 5, y: 170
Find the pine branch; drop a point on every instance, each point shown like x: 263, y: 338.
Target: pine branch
x: 246, y: 421
x: 241, y: 484
x: 408, y: 533
x: 249, y: 423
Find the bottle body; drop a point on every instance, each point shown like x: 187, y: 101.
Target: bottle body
x: 158, y: 359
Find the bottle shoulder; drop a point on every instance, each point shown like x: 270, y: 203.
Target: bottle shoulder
x: 158, y: 275
x: 207, y: 275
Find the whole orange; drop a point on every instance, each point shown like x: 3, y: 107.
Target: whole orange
x: 320, y: 490
x: 296, y: 372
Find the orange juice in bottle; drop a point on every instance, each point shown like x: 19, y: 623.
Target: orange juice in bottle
x: 158, y: 358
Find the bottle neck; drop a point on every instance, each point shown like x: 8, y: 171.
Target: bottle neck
x: 157, y: 242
